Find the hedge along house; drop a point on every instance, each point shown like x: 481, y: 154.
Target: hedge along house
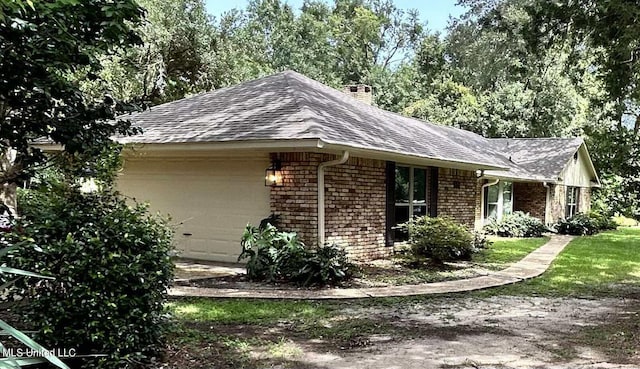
x: 334, y: 168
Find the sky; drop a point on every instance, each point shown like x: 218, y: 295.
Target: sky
x: 435, y: 12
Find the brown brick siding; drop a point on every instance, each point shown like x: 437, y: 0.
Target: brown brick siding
x: 584, y: 204
x: 530, y: 198
x: 296, y: 202
x: 354, y: 202
x: 458, y: 203
x: 559, y: 201
x: 355, y: 207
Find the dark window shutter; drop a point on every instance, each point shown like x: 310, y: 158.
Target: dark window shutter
x: 390, y: 178
x: 433, y: 192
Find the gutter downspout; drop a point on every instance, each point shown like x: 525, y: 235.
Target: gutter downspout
x: 495, y: 182
x: 321, y: 166
x: 547, y: 204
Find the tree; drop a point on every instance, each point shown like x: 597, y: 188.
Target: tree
x: 42, y: 44
x: 175, y: 58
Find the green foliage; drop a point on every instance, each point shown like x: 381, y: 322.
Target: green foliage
x: 112, y: 268
x: 325, y: 265
x: 616, y: 150
x: 440, y: 239
x: 603, y: 265
x: 517, y: 224
x: 12, y: 242
x: 508, y: 250
x: 275, y: 256
x: 46, y: 41
x: 272, y: 255
x: 480, y: 240
x: 175, y: 59
x: 585, y: 224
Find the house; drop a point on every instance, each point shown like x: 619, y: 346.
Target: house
x: 334, y: 168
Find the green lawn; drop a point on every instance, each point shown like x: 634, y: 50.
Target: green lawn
x: 508, y: 250
x: 607, y: 264
x: 227, y: 333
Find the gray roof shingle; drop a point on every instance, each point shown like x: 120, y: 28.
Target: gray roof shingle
x: 288, y: 106
x: 535, y: 158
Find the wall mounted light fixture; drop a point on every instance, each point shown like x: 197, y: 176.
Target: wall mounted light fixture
x: 273, y: 174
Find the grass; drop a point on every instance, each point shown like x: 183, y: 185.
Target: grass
x: 245, y: 311
x: 508, y: 250
x: 249, y: 333
x: 606, y: 264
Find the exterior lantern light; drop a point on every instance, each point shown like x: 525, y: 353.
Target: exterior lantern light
x: 273, y: 174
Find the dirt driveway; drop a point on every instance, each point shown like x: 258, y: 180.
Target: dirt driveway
x: 495, y: 332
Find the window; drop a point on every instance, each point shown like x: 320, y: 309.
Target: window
x: 498, y: 200
x: 410, y: 195
x: 573, y: 194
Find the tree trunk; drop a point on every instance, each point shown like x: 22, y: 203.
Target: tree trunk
x: 8, y: 191
x: 9, y: 197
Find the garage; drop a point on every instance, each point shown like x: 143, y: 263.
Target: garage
x: 209, y: 199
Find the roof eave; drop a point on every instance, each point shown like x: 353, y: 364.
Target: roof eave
x: 408, y: 158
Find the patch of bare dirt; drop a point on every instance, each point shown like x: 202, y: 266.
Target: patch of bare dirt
x: 502, y: 332
x: 458, y: 332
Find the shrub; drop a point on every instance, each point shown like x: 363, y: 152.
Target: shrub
x: 272, y: 255
x: 480, y: 240
x: 578, y: 225
x: 603, y: 222
x: 112, y: 267
x: 275, y: 256
x: 516, y: 224
x: 325, y: 265
x: 585, y: 224
x: 440, y: 239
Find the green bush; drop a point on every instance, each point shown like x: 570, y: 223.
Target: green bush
x: 517, y: 224
x: 275, y: 256
x: 325, y: 265
x: 603, y: 222
x: 480, y: 240
x: 440, y: 239
x: 585, y: 224
x: 112, y: 267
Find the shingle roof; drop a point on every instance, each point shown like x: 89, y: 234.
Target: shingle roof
x: 289, y: 106
x: 535, y: 158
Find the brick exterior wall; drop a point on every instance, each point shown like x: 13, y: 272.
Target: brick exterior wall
x: 296, y: 202
x: 559, y: 201
x: 584, y: 204
x: 457, y: 195
x: 354, y: 202
x: 530, y: 198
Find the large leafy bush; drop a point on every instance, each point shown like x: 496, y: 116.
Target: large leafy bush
x: 112, y: 267
x: 585, y: 224
x: 440, y: 239
x: 276, y: 256
x: 517, y: 224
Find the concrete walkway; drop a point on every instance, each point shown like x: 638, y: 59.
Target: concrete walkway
x: 530, y: 266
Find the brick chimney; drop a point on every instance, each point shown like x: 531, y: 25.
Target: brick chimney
x: 359, y: 92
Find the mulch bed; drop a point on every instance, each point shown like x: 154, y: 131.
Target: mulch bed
x: 381, y: 273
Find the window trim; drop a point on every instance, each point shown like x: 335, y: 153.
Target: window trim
x: 500, y: 203
x: 410, y: 204
x: 572, y: 191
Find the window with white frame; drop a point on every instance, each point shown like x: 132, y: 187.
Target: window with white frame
x: 498, y: 200
x: 573, y: 194
x: 410, y: 195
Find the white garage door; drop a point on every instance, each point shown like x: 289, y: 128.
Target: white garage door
x: 210, y: 201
